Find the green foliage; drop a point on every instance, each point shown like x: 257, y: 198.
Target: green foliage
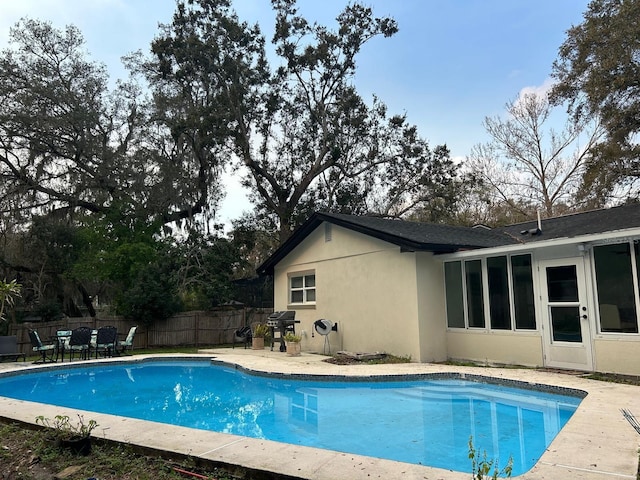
x: 114, y: 257
x: 150, y: 296
x: 481, y: 467
x: 53, y: 244
x: 9, y: 291
x: 292, y: 338
x: 254, y: 241
x: 64, y: 429
x: 204, y: 267
x: 73, y: 146
x: 597, y: 72
x: 305, y: 138
x: 48, y: 311
x: 50, y: 247
x: 261, y: 331
x: 111, y: 249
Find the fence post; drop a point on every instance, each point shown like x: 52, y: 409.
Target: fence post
x: 197, y: 329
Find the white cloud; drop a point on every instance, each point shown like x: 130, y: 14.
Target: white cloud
x: 540, y: 90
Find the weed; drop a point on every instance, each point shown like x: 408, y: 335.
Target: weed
x: 481, y: 467
x: 65, y: 429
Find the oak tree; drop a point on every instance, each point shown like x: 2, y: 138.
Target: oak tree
x: 300, y: 134
x: 69, y: 144
x: 597, y: 72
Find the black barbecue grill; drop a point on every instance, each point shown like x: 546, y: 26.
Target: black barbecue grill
x: 281, y: 323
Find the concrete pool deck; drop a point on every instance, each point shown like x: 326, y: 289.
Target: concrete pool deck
x: 596, y: 443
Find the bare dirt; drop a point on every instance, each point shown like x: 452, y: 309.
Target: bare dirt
x: 28, y: 454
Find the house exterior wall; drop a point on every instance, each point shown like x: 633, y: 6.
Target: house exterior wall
x: 370, y: 289
x: 617, y: 355
x: 611, y: 352
x: 508, y: 347
x: 387, y: 300
x: 432, y: 316
x: 496, y: 348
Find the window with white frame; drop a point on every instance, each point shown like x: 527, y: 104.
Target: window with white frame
x: 494, y: 292
x: 302, y: 288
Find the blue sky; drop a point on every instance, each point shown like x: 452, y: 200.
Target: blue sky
x: 452, y: 63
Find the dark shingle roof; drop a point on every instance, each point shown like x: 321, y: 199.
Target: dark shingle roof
x: 430, y: 237
x: 420, y: 236
x: 585, y: 223
x: 409, y: 236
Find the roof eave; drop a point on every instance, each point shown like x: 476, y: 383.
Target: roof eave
x: 268, y: 266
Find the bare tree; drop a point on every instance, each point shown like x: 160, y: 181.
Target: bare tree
x: 528, y: 164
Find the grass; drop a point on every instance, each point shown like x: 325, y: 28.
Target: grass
x: 614, y: 377
x: 31, y: 454
x: 387, y: 358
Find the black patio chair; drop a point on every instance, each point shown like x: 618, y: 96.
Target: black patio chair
x: 243, y: 335
x: 47, y: 351
x: 106, y: 340
x: 79, y: 342
x: 9, y: 349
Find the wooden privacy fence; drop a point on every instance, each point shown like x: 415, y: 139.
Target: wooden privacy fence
x: 198, y: 328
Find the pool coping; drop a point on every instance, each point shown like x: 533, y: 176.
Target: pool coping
x: 596, y: 443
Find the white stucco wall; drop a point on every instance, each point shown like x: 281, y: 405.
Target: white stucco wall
x: 618, y: 354
x: 432, y: 318
x: 495, y: 348
x: 370, y: 289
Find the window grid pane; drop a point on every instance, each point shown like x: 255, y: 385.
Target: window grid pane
x: 475, y: 293
x: 562, y: 283
x: 499, y: 304
x: 523, y: 298
x: 454, y: 294
x: 302, y: 289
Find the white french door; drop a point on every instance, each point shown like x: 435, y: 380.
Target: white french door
x: 566, y: 327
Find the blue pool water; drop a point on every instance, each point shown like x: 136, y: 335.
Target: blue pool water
x: 422, y: 421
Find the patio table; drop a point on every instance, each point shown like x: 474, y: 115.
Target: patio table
x: 62, y: 338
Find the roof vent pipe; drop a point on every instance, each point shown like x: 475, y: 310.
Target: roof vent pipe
x: 539, y: 222
x: 534, y: 231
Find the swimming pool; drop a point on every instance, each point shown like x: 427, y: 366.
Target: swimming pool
x: 423, y: 420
